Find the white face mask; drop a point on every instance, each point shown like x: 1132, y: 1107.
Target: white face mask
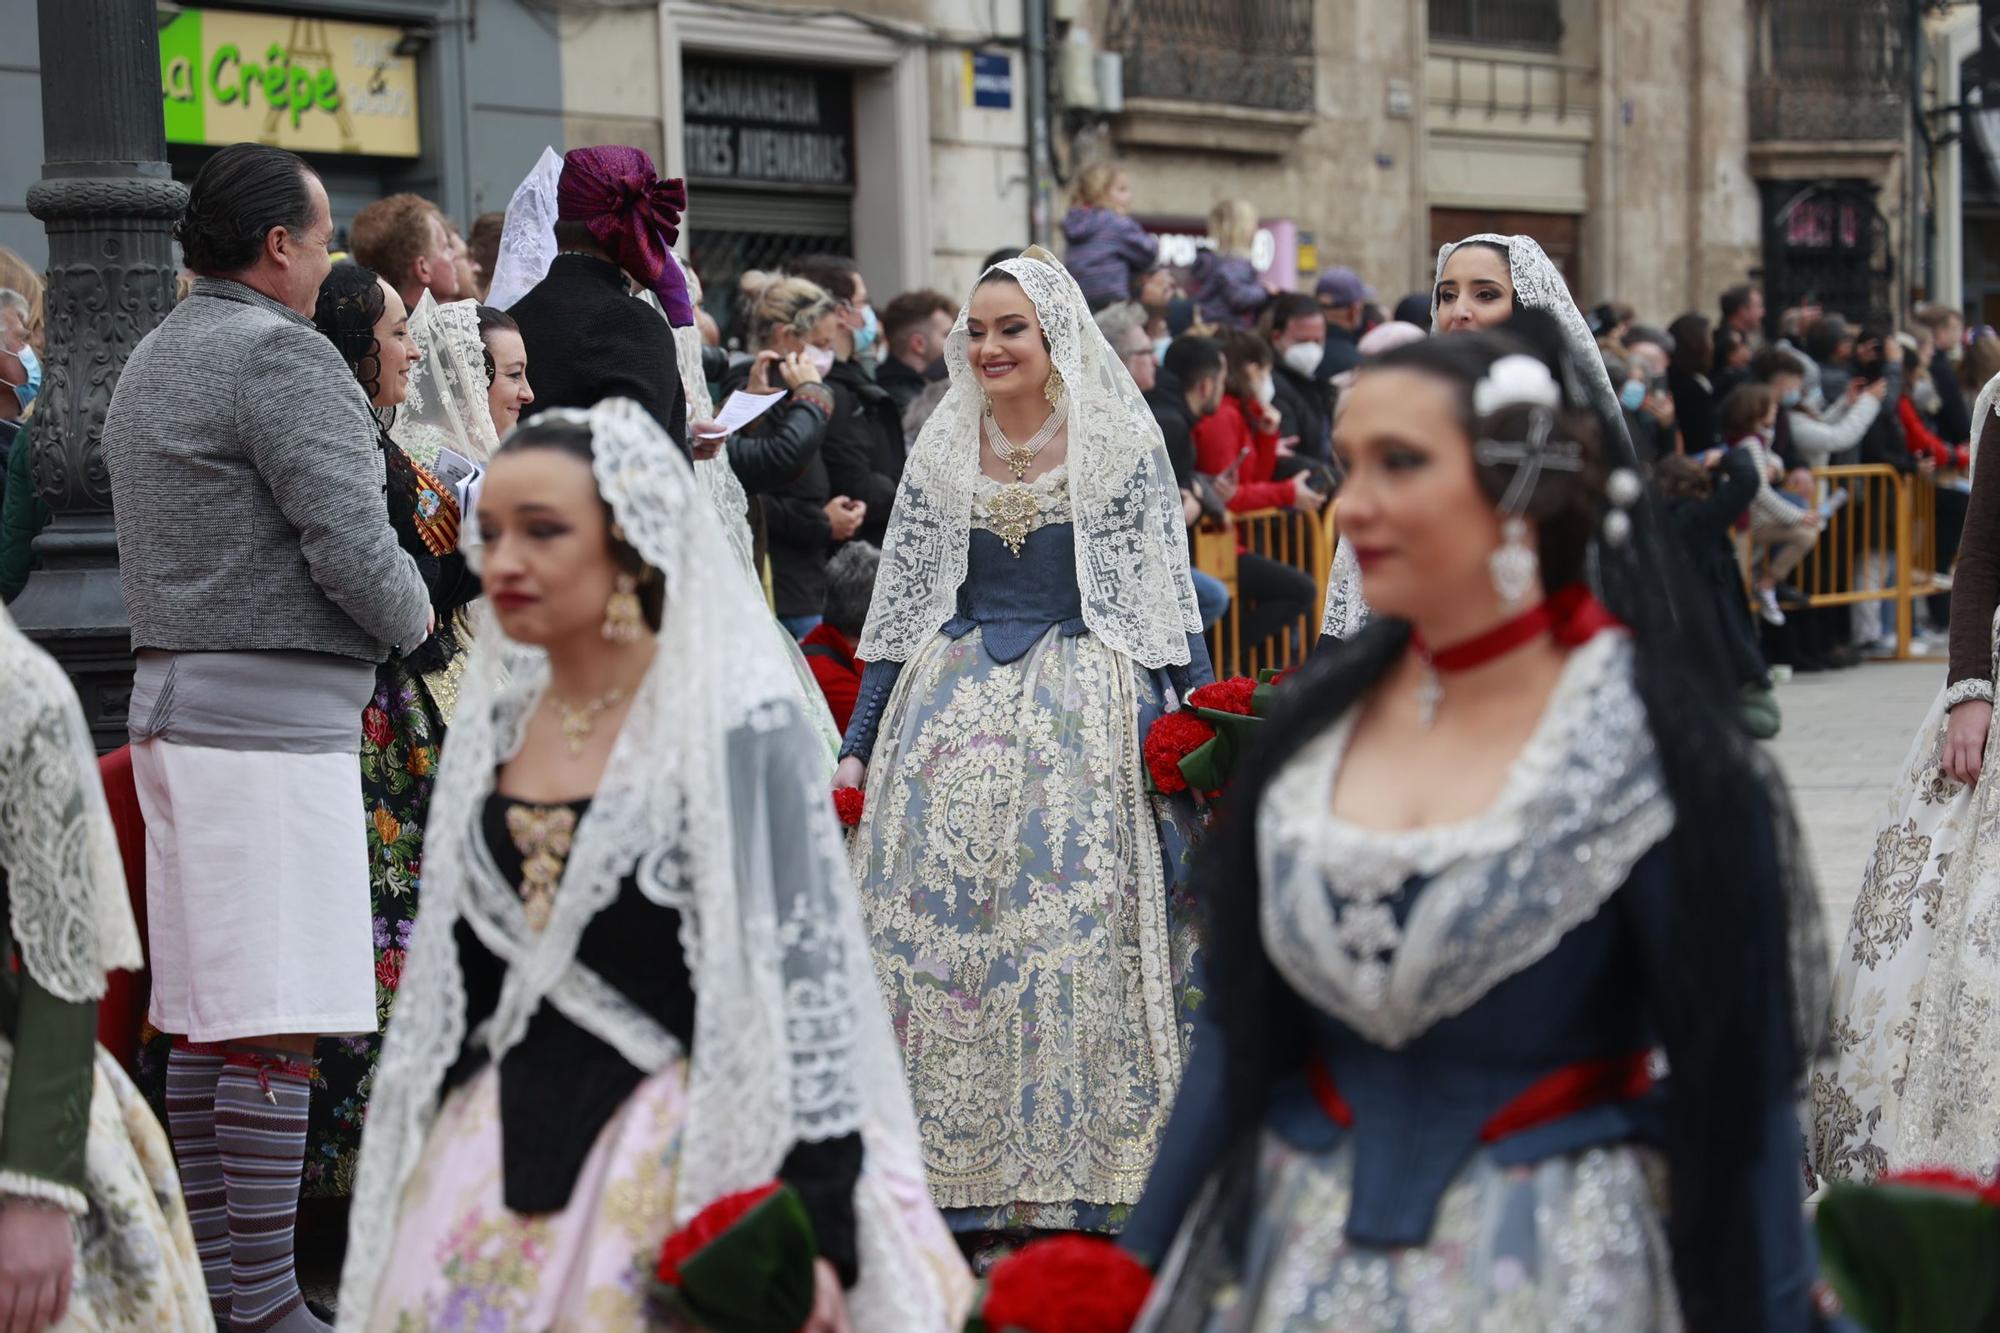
x: 1267, y: 389
x: 819, y: 358
x: 1304, y: 357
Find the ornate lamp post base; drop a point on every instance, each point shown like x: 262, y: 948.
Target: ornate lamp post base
x: 108, y: 200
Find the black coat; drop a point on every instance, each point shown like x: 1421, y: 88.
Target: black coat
x: 798, y: 537
x: 864, y: 446
x: 1702, y: 528
x: 1954, y: 418
x: 1168, y: 399
x: 588, y: 338
x: 1304, y: 411
x: 902, y: 384
x: 1694, y: 410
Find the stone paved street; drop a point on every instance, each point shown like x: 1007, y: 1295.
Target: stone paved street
x: 1845, y: 734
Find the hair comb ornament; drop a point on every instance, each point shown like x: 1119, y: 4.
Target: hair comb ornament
x: 1515, y: 381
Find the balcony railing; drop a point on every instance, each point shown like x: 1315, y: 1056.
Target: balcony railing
x: 1250, y: 53
x: 1829, y: 70
x: 1528, y: 25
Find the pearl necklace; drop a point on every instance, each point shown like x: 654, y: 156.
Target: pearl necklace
x: 1020, y: 457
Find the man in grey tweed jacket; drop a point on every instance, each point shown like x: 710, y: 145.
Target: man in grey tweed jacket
x: 264, y: 584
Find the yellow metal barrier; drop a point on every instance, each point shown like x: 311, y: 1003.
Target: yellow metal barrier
x: 1889, y: 520
x: 1288, y: 537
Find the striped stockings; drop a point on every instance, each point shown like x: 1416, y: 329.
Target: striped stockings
x: 191, y: 1075
x: 260, y: 1129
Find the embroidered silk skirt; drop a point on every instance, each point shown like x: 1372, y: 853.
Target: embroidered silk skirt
x: 135, y: 1265
x: 1022, y: 892
x: 463, y: 1260
x: 1880, y: 972
x: 256, y: 892
x: 1571, y: 1244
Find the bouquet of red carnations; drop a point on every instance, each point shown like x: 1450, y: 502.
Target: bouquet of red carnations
x: 1199, y: 747
x: 744, y: 1264
x: 847, y: 805
x: 1064, y: 1284
x: 1915, y: 1252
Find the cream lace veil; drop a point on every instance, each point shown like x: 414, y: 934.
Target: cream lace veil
x: 715, y: 799
x: 447, y: 407
x: 1538, y: 285
x: 528, y: 237
x: 1131, y: 544
x: 67, y: 908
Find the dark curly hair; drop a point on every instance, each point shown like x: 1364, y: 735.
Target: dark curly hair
x: 239, y: 195
x: 350, y: 305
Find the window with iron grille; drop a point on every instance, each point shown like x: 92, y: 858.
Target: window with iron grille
x: 1252, y: 53
x: 1829, y: 69
x: 1532, y: 25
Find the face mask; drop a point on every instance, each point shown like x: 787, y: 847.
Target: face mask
x: 864, y: 337
x: 1267, y: 389
x: 1160, y: 349
x: 1925, y: 395
x: 936, y: 370
x: 1304, y: 357
x: 1790, y: 398
x: 25, y: 393
x: 1633, y: 395
x: 820, y: 358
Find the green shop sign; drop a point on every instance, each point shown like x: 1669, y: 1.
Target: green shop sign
x: 309, y: 84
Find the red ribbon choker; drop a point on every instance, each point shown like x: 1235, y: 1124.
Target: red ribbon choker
x: 1573, y: 615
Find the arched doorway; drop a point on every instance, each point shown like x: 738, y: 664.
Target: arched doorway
x: 1827, y: 240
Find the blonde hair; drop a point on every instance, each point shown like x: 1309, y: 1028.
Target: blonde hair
x: 17, y: 276
x: 1094, y: 182
x: 1232, y: 225
x: 793, y: 302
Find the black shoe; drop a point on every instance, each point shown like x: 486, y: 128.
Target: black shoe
x: 1791, y: 599
x: 1809, y: 665
x: 1844, y: 656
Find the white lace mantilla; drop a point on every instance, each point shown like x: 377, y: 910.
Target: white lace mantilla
x: 1346, y: 609
x: 1583, y: 802
x: 67, y: 909
x: 1131, y: 541
x: 791, y: 1043
x: 528, y: 236
x: 1539, y: 285
x: 447, y: 407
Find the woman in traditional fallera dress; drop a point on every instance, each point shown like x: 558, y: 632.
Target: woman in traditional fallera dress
x: 1031, y: 616
x: 1459, y: 899
x: 1481, y: 283
x: 93, y: 1233
x: 1915, y: 1075
x: 403, y: 726
x: 639, y: 982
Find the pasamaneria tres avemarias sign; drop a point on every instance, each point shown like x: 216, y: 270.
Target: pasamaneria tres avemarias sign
x: 308, y: 84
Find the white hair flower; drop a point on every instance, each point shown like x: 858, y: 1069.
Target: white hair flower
x: 1515, y: 381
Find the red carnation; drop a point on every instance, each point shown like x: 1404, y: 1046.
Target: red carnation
x: 847, y: 803
x: 1938, y: 1178
x: 375, y: 726
x: 1066, y: 1284
x: 1171, y: 739
x: 1226, y: 696
x: 705, y: 1226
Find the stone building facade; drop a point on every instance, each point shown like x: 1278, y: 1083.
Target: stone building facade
x: 1661, y: 150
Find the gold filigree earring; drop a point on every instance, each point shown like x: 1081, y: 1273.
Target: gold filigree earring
x: 1053, y: 390
x: 624, y: 618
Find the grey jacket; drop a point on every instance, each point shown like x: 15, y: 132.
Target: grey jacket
x: 247, y: 485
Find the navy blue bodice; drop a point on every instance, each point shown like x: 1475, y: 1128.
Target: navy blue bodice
x: 1015, y: 600
x: 1418, y: 1111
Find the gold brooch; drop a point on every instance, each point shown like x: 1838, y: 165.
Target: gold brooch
x: 1012, y: 513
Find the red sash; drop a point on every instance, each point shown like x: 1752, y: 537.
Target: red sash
x: 1552, y: 1097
